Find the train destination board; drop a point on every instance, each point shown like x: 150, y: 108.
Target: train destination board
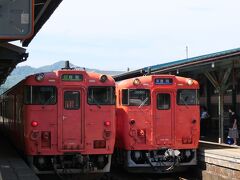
x: 72, y: 77
x: 163, y: 81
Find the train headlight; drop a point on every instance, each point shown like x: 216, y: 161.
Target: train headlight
x: 107, y: 123
x: 136, y: 82
x: 190, y: 82
x: 34, y: 123
x: 103, y: 78
x: 39, y: 77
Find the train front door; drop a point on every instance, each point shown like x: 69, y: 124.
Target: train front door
x: 163, y: 117
x: 71, y: 121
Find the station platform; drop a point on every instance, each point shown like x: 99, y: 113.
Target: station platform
x: 12, y: 166
x: 219, y: 161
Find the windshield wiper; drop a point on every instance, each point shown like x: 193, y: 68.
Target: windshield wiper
x: 183, y: 100
x: 145, y: 100
x: 49, y: 100
x: 96, y: 102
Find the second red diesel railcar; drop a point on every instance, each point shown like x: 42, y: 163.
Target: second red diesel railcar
x: 62, y: 120
x: 157, y: 123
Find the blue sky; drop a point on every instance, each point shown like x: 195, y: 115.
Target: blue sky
x: 117, y: 34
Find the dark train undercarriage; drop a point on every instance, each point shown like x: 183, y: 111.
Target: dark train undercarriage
x: 70, y: 163
x: 156, y: 161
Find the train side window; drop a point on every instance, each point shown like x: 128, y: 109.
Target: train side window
x: 71, y: 100
x: 27, y: 95
x: 163, y: 101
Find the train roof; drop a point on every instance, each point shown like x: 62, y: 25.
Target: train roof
x: 87, y: 75
x: 90, y: 78
x: 150, y: 80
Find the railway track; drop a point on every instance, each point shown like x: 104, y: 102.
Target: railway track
x: 118, y: 174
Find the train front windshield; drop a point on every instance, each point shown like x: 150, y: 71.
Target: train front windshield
x: 136, y: 97
x: 40, y: 95
x: 188, y: 97
x: 101, y: 95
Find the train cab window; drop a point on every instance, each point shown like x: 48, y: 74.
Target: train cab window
x: 40, y: 95
x: 125, y: 96
x: 136, y: 97
x: 101, y: 95
x: 71, y: 100
x: 188, y: 97
x: 163, y: 101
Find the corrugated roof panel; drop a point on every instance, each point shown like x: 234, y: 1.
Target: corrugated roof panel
x: 194, y: 59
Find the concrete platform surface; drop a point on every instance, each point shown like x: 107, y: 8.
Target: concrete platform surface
x: 219, y: 161
x: 12, y: 166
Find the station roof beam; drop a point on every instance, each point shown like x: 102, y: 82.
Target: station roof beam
x: 43, y: 9
x: 10, y: 56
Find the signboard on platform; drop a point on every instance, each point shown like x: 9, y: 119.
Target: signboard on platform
x: 16, y: 19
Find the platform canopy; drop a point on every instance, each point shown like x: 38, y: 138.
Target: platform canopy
x: 13, y: 20
x: 190, y: 66
x: 43, y: 9
x: 10, y: 56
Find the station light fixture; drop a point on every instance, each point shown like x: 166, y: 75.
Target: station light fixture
x: 213, y: 65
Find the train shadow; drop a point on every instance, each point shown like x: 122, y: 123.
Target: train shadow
x: 120, y: 174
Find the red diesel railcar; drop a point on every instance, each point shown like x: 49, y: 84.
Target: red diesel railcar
x: 157, y: 123
x: 62, y: 120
